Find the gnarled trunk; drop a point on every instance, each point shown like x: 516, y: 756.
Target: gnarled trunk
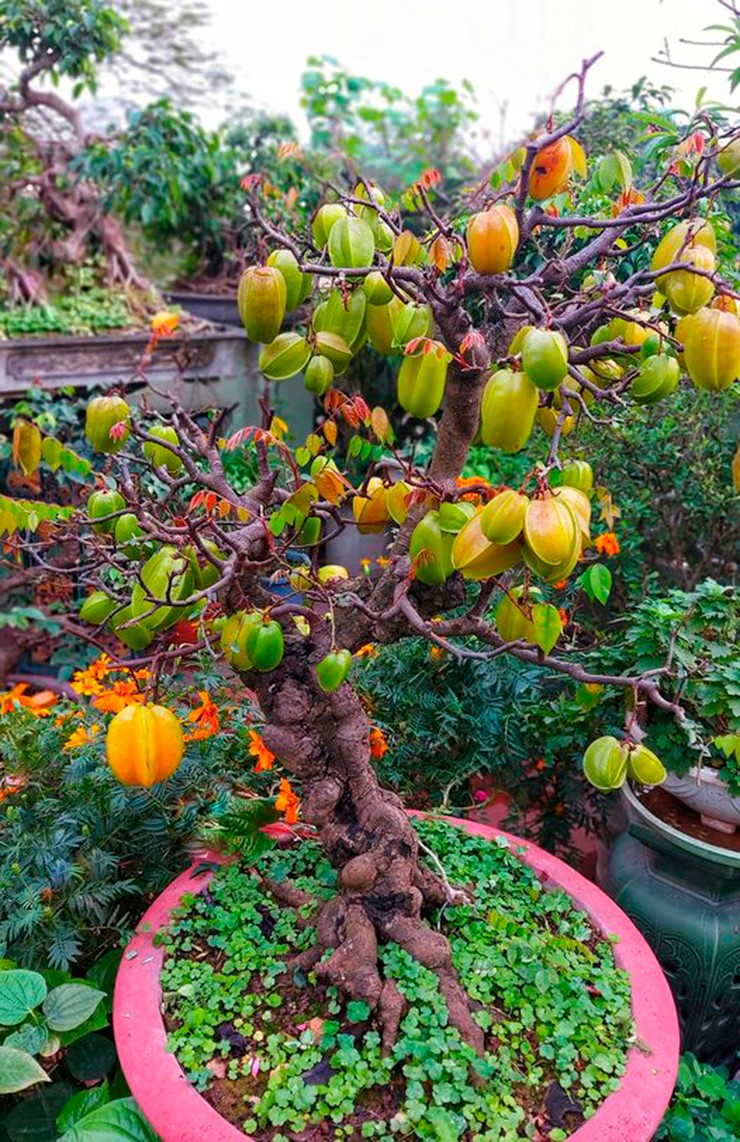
x: 323, y: 739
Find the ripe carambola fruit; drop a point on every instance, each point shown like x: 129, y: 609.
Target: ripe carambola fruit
x: 324, y: 220
x: 421, y: 379
x: 658, y: 377
x: 396, y: 501
x: 297, y: 284
x: 577, y: 474
x: 605, y: 764
x: 493, y: 236
x: 545, y: 358
x: 168, y: 576
x: 503, y: 517
x: 475, y: 557
x: 579, y: 504
x: 644, y: 766
x: 433, y: 548
x: 553, y: 166
x: 508, y: 410
x: 101, y: 414
x: 728, y: 159
x: 319, y: 375
x: 550, y: 572
x: 144, y: 745
x: 685, y: 290
x: 161, y: 457
x: 712, y: 349
x: 371, y: 510
x: 261, y: 299
x: 104, y: 503
x: 410, y: 321
x: 514, y: 614
x: 679, y: 238
x: 287, y: 355
x: 351, y: 244
x: 376, y: 289
x: 97, y: 607
x: 332, y: 670
x: 548, y: 418
x: 551, y: 532
x: 265, y: 646
x: 234, y: 638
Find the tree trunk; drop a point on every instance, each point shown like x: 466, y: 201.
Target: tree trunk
x: 324, y: 741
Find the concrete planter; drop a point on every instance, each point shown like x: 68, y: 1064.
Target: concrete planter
x: 213, y: 367
x: 179, y: 1114
x: 221, y: 308
x: 705, y: 791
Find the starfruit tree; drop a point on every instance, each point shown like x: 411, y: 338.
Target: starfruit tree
x: 505, y: 312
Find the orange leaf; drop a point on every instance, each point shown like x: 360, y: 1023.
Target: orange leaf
x: 379, y: 423
x: 330, y: 432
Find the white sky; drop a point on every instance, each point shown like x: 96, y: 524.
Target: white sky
x: 512, y: 51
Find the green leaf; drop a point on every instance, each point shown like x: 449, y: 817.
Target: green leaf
x: 597, y: 582
x: 30, y: 1037
x: 357, y: 1011
x: 91, y: 1057
x: 81, y: 1104
x: 119, y: 1121
x: 71, y: 1004
x: 20, y: 992
x: 34, y: 1120
x: 302, y: 456
x: 19, y: 1070
x: 548, y: 626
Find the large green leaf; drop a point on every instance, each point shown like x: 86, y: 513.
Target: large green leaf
x: 34, y: 1120
x: 70, y: 1005
x: 30, y: 1037
x: 82, y: 1104
x: 548, y: 626
x: 91, y: 1057
x: 19, y: 1070
x: 119, y: 1121
x: 20, y: 992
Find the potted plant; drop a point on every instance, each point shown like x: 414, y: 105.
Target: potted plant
x: 695, y: 633
x: 501, y: 332
x: 276, y: 1064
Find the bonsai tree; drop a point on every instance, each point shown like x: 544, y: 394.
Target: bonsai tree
x: 510, y: 309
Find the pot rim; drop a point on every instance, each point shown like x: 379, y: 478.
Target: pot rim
x: 693, y: 846
x: 179, y: 1113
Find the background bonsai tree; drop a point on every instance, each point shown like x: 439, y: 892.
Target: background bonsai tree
x: 504, y: 310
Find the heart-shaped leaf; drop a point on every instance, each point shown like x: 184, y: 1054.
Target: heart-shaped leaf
x: 20, y: 992
x: 71, y: 1004
x: 19, y: 1070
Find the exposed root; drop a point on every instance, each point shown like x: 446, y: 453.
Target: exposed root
x: 289, y: 894
x: 432, y: 949
x: 391, y: 1010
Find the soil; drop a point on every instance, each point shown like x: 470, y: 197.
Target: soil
x: 547, y: 1108
x: 682, y: 817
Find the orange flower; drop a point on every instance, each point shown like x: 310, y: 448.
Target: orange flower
x: 366, y: 651
x: 258, y: 749
x: 383, y: 561
x: 82, y: 736
x: 436, y: 652
x: 287, y: 802
x: 17, y: 698
x: 563, y: 616
x: 560, y: 584
x: 378, y: 744
x: 87, y: 681
x: 607, y: 544
x: 206, y: 717
x: 164, y: 323
x: 121, y: 694
x: 365, y: 563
